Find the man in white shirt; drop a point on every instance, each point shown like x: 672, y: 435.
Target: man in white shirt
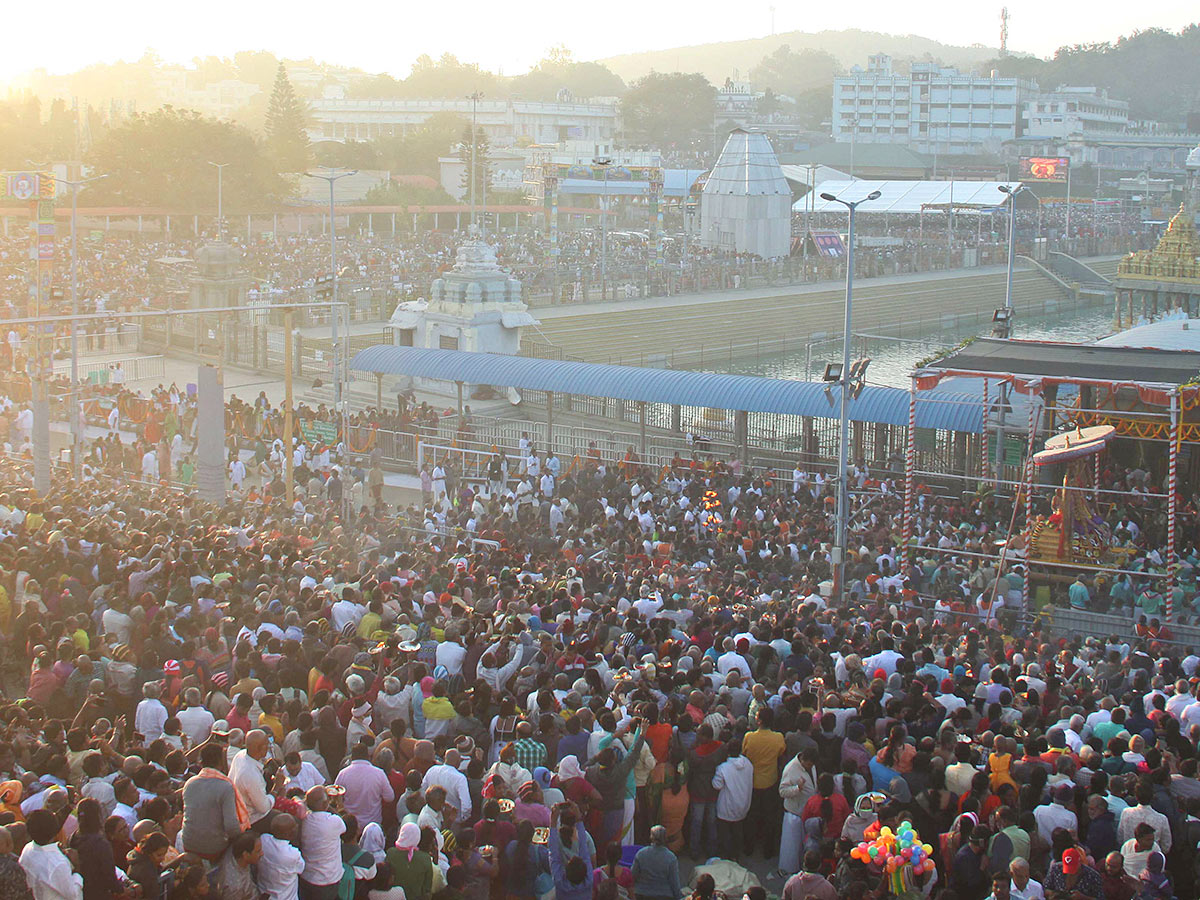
x: 195, y: 721
x: 246, y: 773
x: 47, y: 869
x: 448, y: 776
x: 1056, y: 815
x: 451, y: 653
x: 151, y: 715
x: 281, y: 863
x: 1022, y: 887
x: 126, y: 793
x: 732, y: 658
x: 321, y: 843
x: 301, y: 773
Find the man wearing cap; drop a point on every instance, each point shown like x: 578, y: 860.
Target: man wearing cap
x: 1072, y: 877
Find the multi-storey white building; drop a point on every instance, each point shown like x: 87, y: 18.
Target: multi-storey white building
x: 1075, y: 110
x: 506, y: 122
x: 933, y: 109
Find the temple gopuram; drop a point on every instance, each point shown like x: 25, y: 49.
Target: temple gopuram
x: 1150, y: 283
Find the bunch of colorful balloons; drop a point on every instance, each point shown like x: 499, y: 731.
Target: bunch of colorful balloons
x: 895, y: 852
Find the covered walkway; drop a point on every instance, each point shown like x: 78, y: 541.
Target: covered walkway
x: 941, y: 410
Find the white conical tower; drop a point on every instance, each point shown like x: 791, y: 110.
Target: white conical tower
x: 746, y: 206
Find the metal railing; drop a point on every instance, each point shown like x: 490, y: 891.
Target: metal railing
x: 133, y: 368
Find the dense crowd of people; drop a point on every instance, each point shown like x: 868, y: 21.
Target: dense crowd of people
x: 119, y: 272
x: 588, y: 681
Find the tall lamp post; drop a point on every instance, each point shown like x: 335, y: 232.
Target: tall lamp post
x: 1002, y: 318
x: 474, y: 97
x: 75, y: 430
x: 220, y: 167
x: 604, y: 162
x: 849, y: 381
x: 331, y: 175
x: 853, y: 137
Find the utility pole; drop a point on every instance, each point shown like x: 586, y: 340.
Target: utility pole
x: 474, y: 97
x: 76, y: 431
x: 288, y: 340
x: 332, y: 175
x: 849, y: 381
x: 220, y: 167
x: 604, y: 162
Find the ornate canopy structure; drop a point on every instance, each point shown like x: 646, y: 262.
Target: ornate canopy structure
x: 1162, y: 279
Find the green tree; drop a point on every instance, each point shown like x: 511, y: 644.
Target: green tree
x: 793, y: 73
x: 287, y: 142
x: 417, y: 152
x: 393, y: 193
x: 449, y: 78
x: 349, y: 155
x: 482, y: 172
x: 162, y: 159
x: 257, y: 67
x: 665, y: 109
x: 559, y: 71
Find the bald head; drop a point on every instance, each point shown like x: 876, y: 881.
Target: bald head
x: 283, y: 826
x: 256, y: 743
x: 316, y: 799
x: 453, y: 758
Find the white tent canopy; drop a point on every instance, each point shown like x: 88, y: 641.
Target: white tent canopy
x: 910, y: 197
x: 816, y: 173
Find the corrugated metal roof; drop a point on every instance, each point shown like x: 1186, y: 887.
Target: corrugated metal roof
x: 935, y: 409
x: 910, y: 197
x: 747, y: 166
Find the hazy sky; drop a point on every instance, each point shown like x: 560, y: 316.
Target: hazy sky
x: 380, y: 36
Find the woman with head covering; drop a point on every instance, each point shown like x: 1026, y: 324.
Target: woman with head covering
x: 412, y: 869
x: 373, y: 842
x: 529, y: 805
x: 551, y: 796
x: 574, y: 786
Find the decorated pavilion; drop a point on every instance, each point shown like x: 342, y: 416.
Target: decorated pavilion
x: 1167, y: 278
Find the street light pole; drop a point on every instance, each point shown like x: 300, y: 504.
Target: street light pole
x: 853, y: 138
x: 1004, y: 321
x: 843, y: 498
x: 75, y: 431
x: 474, y: 97
x: 220, y: 167
x: 331, y: 175
x: 604, y: 162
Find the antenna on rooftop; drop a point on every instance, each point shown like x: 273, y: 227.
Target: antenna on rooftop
x: 1004, y: 17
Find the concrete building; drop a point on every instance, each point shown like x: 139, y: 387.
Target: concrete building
x: 507, y: 169
x: 933, y: 109
x: 746, y: 204
x: 1075, y: 110
x: 506, y: 122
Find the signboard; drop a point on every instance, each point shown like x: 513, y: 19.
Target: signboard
x: 828, y: 244
x: 26, y: 186
x: 325, y: 432
x: 1045, y: 168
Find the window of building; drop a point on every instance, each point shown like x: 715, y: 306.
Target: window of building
x: 447, y: 342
